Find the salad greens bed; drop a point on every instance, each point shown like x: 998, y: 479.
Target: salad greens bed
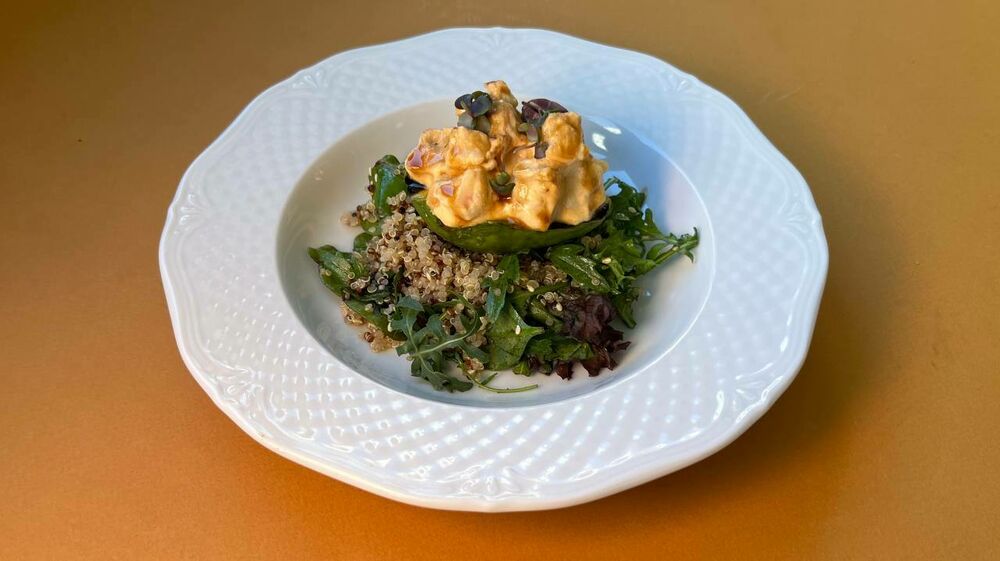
x: 603, y: 263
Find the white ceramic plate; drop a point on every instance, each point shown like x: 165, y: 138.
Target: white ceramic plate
x: 717, y: 343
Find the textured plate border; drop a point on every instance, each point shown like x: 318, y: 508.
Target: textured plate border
x: 244, y: 346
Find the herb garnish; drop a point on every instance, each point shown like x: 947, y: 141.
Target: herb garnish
x: 475, y: 107
x: 534, y: 112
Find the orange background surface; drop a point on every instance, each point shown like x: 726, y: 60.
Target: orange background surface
x: 885, y: 447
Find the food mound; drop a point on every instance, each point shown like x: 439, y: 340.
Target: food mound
x: 496, y: 247
x: 532, y: 170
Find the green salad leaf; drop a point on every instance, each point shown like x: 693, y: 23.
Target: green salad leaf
x: 338, y: 269
x: 508, y: 337
x: 568, y: 258
x: 388, y: 179
x: 371, y: 314
x: 551, y: 347
x: 509, y: 269
x: 540, y: 313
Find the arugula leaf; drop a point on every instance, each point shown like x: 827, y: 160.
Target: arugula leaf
x: 404, y: 316
x: 508, y: 337
x: 674, y: 245
x: 431, y: 339
x: 431, y: 368
x: 627, y: 213
x: 647, y: 227
x: 509, y: 272
x: 425, y: 346
x: 582, y: 269
x: 338, y: 269
x: 627, y: 250
x: 388, y: 179
x: 624, y: 239
x: 623, y: 301
x: 626, y: 203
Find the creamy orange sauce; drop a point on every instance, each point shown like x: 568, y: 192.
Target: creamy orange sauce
x: 456, y: 164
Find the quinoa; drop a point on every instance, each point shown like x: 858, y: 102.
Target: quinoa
x: 372, y: 335
x: 433, y: 270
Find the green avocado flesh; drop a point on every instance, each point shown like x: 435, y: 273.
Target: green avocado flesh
x: 502, y: 237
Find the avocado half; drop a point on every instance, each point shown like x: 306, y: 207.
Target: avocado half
x: 503, y: 237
